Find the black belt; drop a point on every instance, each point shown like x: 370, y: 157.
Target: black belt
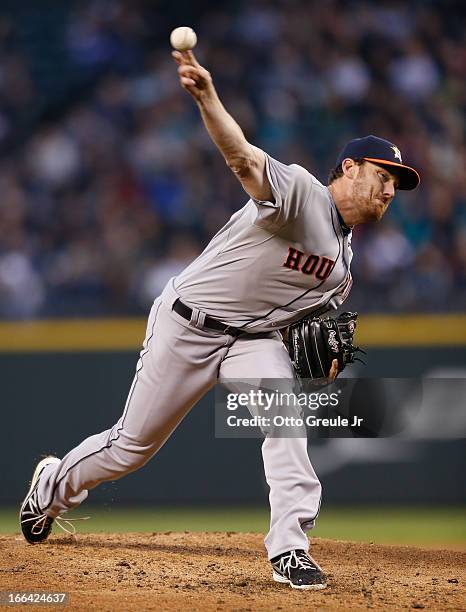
x: 209, y: 323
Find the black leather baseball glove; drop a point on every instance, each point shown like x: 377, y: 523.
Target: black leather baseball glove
x: 314, y: 343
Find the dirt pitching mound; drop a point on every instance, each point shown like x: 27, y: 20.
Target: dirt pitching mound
x: 226, y: 571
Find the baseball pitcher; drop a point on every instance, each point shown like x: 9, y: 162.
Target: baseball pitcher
x: 282, y: 257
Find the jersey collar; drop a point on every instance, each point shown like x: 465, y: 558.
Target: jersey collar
x: 345, y: 229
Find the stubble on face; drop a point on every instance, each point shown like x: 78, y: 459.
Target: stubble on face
x: 370, y: 203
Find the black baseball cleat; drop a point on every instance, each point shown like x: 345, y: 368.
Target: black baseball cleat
x: 35, y: 525
x: 299, y: 570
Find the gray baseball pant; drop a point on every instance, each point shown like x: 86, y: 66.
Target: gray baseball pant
x: 178, y: 364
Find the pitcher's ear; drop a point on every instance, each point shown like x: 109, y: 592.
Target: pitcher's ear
x: 349, y: 167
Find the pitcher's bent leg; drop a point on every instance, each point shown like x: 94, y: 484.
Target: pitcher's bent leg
x: 169, y: 380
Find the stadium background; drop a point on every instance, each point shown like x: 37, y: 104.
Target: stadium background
x: 109, y: 186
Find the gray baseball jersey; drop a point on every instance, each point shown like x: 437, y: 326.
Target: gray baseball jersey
x: 270, y: 264
x: 273, y: 262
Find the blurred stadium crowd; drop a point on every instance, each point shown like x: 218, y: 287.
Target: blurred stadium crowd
x: 109, y: 184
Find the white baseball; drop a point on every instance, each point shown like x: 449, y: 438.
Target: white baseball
x: 183, y: 38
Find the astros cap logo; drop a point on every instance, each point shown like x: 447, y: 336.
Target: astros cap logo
x: 397, y: 153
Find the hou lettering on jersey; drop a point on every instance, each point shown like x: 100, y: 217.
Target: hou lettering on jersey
x: 317, y: 265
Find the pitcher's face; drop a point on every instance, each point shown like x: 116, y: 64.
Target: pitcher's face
x: 373, y: 190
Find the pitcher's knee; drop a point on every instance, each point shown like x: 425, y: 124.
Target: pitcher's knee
x: 130, y: 455
x: 318, y: 489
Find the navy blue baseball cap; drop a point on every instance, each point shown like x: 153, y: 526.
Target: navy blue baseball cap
x: 383, y: 153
